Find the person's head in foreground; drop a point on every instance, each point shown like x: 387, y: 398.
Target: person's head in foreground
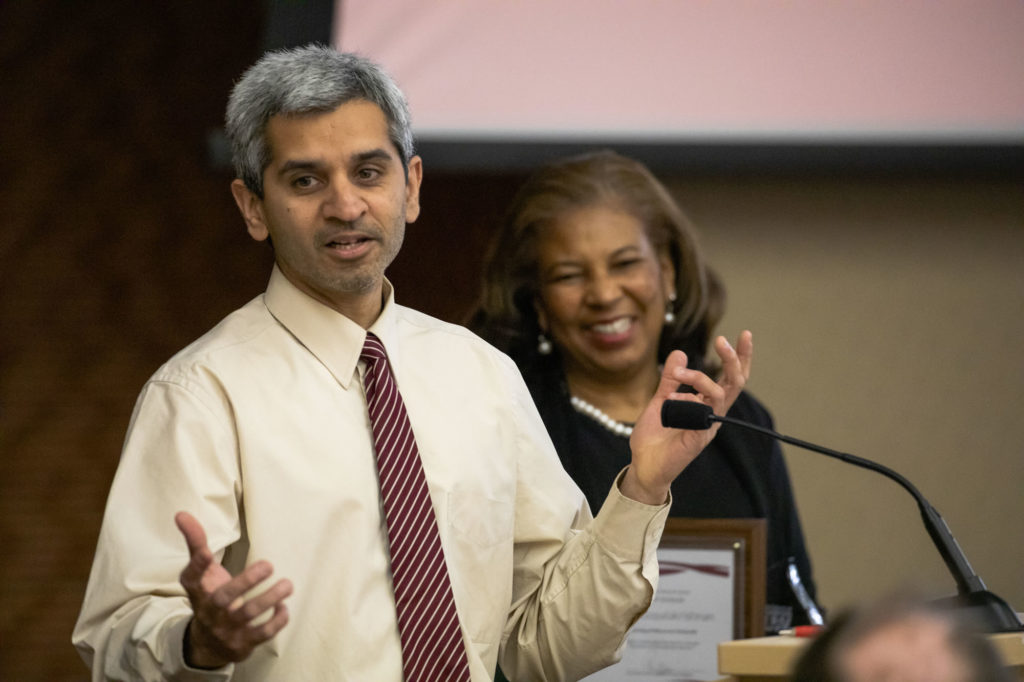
x: 900, y: 639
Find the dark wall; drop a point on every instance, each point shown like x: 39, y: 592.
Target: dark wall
x: 118, y: 245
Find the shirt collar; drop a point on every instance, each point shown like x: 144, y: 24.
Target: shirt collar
x: 334, y: 339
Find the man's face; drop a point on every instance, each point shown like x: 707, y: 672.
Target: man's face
x: 335, y: 204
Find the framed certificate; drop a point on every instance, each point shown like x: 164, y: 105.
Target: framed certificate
x: 711, y: 589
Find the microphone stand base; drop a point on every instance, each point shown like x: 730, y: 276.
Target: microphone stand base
x: 986, y: 611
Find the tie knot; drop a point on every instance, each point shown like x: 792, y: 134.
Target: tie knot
x: 373, y: 349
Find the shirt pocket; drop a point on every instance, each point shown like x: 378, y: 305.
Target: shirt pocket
x: 482, y: 532
x: 480, y: 520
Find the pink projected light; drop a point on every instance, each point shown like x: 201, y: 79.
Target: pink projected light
x: 934, y: 70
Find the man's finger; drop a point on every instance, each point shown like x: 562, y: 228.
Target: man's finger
x: 677, y: 373
x: 735, y: 361
x: 745, y: 349
x: 192, y: 575
x: 669, y: 380
x: 226, y: 596
x: 269, y: 599
x: 195, y: 536
x: 272, y: 626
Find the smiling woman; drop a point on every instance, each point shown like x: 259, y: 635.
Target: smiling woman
x: 594, y: 277
x: 603, y: 295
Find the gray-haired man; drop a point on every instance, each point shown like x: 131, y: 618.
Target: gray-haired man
x: 257, y: 442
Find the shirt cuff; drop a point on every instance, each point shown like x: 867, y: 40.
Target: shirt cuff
x: 179, y: 670
x: 617, y: 523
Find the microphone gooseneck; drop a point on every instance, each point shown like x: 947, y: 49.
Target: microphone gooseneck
x: 992, y: 613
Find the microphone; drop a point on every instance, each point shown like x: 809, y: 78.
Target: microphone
x: 686, y: 414
x: 990, y: 612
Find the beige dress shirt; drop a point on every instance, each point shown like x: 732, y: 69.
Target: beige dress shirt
x: 260, y: 430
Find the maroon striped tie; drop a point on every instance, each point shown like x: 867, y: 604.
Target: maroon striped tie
x: 432, y: 647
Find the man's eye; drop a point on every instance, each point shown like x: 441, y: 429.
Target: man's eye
x: 368, y: 174
x: 304, y: 182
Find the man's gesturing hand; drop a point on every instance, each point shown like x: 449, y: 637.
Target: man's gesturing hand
x: 659, y: 453
x: 222, y: 630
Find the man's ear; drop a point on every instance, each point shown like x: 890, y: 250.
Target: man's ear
x: 412, y: 189
x: 251, y: 207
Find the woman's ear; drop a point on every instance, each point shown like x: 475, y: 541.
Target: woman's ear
x: 542, y: 317
x: 668, y: 277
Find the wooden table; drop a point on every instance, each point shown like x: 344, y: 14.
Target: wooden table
x: 770, y: 659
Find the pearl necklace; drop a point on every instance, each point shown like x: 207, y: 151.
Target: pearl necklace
x: 585, y: 408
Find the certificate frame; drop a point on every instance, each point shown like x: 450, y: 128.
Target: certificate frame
x: 746, y: 538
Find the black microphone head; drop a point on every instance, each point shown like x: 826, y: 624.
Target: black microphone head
x: 686, y: 414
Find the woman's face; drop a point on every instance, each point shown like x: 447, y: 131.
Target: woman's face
x: 603, y: 291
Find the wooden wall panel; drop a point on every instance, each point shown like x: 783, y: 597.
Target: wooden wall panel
x: 119, y: 244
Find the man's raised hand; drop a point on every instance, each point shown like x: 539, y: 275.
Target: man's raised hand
x: 226, y: 625
x: 660, y: 454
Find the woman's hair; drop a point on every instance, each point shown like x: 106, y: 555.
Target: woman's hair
x: 306, y: 80
x: 506, y: 315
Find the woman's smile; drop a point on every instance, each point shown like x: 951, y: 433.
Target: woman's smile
x: 612, y: 332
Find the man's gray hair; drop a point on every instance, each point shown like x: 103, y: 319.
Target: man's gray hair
x: 306, y: 80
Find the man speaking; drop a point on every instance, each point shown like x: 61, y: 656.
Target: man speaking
x: 331, y: 486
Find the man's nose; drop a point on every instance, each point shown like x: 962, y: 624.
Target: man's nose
x: 344, y: 201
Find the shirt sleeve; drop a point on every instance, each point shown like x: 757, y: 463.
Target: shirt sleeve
x: 574, y: 600
x: 135, y: 611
